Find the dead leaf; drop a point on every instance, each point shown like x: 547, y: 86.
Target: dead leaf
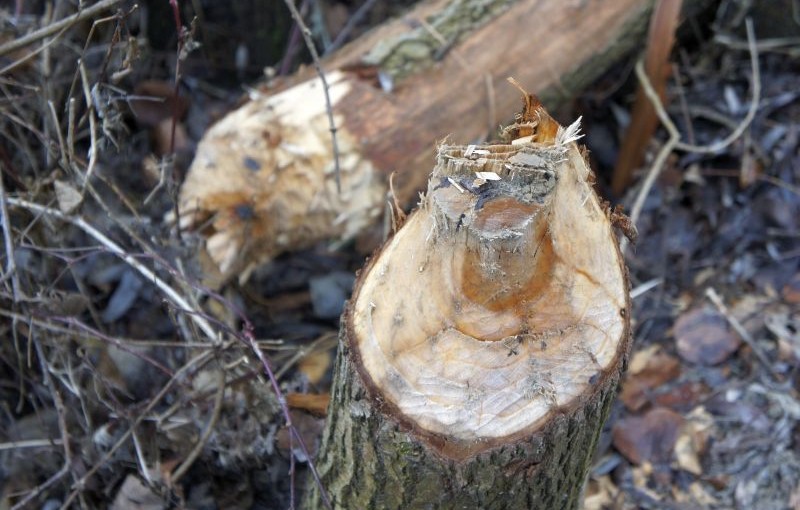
x: 682, y: 396
x: 67, y: 196
x: 696, y: 496
x: 749, y: 170
x: 794, y: 500
x: 124, y: 296
x: 791, y: 291
x: 648, y: 438
x: 314, y: 404
x: 136, y: 495
x: 642, y: 476
x: 703, y: 336
x: 315, y: 365
x: 649, y: 369
x: 162, y: 137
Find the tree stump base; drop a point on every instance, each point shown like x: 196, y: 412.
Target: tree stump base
x: 483, y: 344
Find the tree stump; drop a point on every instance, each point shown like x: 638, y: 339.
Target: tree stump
x: 482, y: 347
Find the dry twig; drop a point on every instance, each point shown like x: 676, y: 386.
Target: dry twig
x: 674, y: 135
x: 328, y: 106
x: 11, y: 265
x: 117, y: 250
x: 198, y: 448
x: 53, y: 28
x: 715, y: 298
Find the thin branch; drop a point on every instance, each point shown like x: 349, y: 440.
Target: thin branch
x: 33, y: 54
x: 328, y: 106
x: 249, y: 340
x: 171, y: 293
x: 751, y: 112
x: 715, y: 298
x: 52, y: 28
x: 674, y: 136
x: 84, y: 331
x: 61, y: 142
x: 143, y: 469
x: 23, y: 503
x: 658, y: 163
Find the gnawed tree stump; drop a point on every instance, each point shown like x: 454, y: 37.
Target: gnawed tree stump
x: 483, y: 344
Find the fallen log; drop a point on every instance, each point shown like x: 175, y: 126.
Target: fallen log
x: 263, y: 180
x: 482, y: 347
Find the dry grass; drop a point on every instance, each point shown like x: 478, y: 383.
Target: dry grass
x: 117, y: 359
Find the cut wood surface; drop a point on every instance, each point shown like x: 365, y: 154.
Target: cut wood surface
x: 263, y: 178
x: 484, y: 341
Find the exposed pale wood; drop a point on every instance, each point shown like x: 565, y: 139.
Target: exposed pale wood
x: 484, y: 341
x: 437, y: 91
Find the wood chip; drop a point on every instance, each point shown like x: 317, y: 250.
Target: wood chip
x: 487, y: 176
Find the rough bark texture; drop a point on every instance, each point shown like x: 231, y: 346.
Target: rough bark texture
x: 484, y: 342
x: 368, y: 460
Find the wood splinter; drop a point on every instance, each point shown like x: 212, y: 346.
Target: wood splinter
x: 482, y: 346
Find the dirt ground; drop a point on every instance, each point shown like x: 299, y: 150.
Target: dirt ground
x: 125, y: 383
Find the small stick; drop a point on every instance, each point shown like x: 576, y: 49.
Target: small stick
x: 61, y: 143
x: 201, y: 443
x: 318, y: 66
x: 143, y: 469
x: 655, y: 168
x: 751, y: 112
x: 30, y: 443
x: 11, y: 264
x: 646, y: 286
x: 715, y: 298
x: 250, y: 341
x: 674, y: 136
x: 87, y: 94
x: 117, y: 250
x: 52, y: 28
x: 23, y: 503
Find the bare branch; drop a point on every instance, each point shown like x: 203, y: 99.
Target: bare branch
x: 171, y: 293
x: 674, y: 136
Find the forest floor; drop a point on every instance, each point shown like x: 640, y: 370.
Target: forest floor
x: 117, y: 390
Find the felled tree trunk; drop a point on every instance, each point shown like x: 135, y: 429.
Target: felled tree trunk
x: 263, y: 178
x: 482, y: 347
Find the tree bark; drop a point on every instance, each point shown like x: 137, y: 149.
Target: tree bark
x: 481, y: 350
x: 263, y: 180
